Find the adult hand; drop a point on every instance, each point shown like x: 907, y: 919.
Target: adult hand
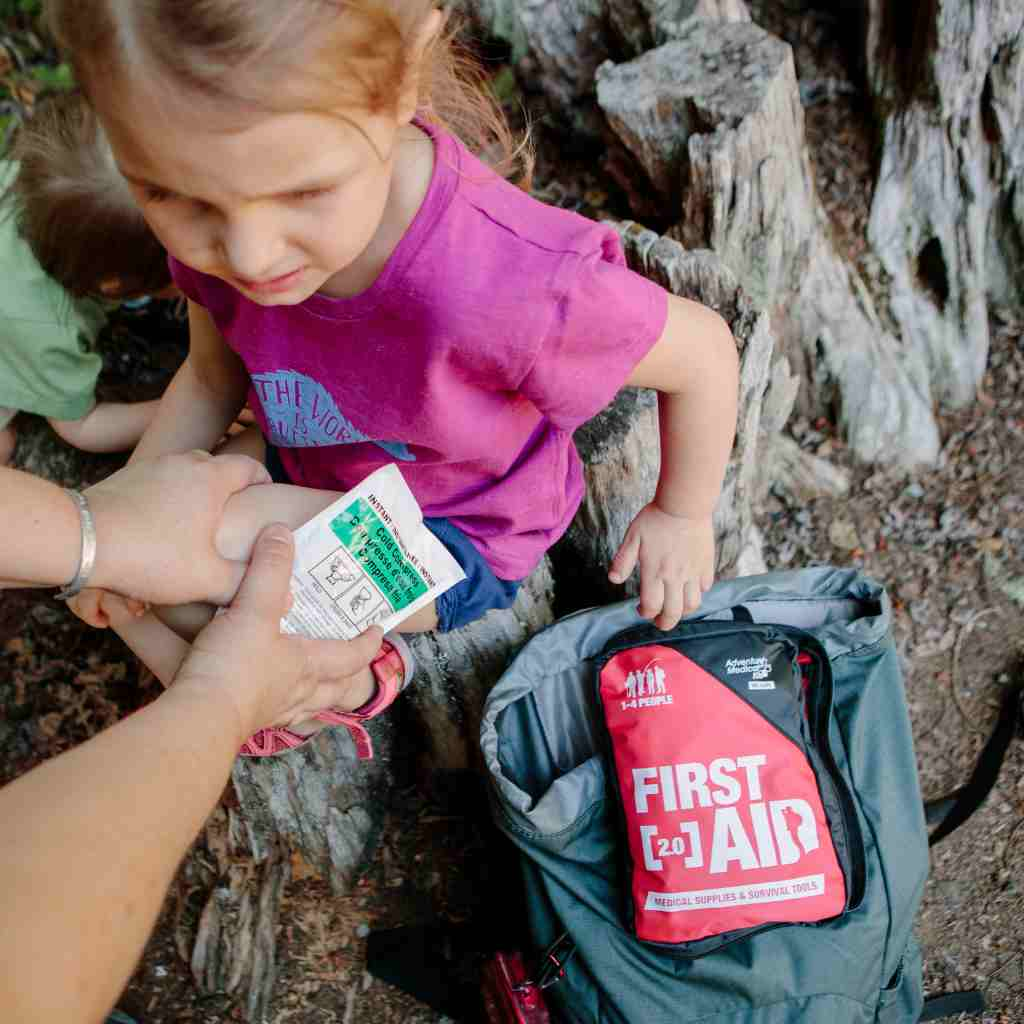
x: 269, y: 677
x: 156, y: 523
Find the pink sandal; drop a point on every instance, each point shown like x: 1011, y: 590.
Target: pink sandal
x: 392, y: 668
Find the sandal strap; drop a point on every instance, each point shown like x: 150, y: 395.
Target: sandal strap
x: 361, y: 738
x: 390, y: 670
x: 267, y: 742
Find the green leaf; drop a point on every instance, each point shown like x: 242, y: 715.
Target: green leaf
x: 59, y: 77
x: 504, y: 84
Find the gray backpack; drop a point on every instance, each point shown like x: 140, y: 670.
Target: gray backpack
x: 675, y: 870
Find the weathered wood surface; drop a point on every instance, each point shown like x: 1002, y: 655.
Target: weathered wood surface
x: 714, y: 122
x: 321, y: 800
x: 236, y: 939
x: 562, y: 44
x: 947, y: 216
x: 948, y: 213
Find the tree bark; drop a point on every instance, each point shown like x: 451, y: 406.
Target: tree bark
x: 321, y: 801
x: 947, y: 217
x: 714, y: 122
x: 455, y: 672
x: 236, y: 941
x: 561, y: 44
x: 324, y: 802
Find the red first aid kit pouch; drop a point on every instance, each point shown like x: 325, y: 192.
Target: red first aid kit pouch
x: 734, y: 815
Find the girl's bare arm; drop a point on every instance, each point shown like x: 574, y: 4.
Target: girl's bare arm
x: 203, y: 399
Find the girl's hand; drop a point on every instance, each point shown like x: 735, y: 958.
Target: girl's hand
x: 677, y: 563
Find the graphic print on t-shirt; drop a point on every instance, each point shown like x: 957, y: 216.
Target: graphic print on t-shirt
x: 301, y: 413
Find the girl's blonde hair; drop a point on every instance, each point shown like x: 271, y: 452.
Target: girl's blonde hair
x: 240, y: 49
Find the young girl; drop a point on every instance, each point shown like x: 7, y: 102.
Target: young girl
x: 382, y: 295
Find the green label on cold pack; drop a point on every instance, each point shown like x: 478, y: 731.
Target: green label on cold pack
x: 375, y: 548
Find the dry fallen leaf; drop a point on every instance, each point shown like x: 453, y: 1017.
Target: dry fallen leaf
x: 49, y: 724
x: 301, y: 868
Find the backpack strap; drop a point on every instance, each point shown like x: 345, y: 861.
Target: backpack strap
x: 955, y: 808
x: 741, y: 613
x: 950, y: 1003
x: 952, y: 810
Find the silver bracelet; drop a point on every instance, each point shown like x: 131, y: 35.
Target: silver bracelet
x: 87, y: 558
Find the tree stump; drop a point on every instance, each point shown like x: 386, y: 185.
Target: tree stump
x: 319, y: 799
x: 562, y: 44
x: 236, y: 941
x: 455, y: 672
x: 714, y: 121
x: 325, y: 803
x: 322, y: 802
x: 640, y: 25
x: 947, y: 217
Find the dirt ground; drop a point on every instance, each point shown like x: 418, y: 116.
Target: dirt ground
x: 947, y: 544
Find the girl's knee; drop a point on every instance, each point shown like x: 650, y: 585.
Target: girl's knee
x: 74, y: 432
x: 187, y: 620
x: 422, y: 621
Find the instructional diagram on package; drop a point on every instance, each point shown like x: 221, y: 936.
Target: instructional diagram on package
x: 365, y: 560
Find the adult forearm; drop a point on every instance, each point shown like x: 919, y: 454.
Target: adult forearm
x: 92, y: 842
x: 155, y: 524
x: 40, y: 537
x: 192, y: 414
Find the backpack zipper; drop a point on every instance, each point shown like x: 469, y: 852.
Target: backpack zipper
x: 819, y: 736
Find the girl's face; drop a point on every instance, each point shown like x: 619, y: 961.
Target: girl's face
x: 286, y: 205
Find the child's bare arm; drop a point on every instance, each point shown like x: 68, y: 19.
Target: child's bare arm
x: 695, y: 367
x: 204, y: 397
x: 159, y: 648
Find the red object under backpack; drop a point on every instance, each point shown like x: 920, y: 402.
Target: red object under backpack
x: 513, y: 994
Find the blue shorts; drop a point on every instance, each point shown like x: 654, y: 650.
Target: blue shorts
x: 471, y: 598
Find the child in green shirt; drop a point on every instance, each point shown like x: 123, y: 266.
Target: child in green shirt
x: 70, y: 236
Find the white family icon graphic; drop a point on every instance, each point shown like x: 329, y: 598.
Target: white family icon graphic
x: 646, y: 688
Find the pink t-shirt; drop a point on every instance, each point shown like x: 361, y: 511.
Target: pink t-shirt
x: 498, y: 326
